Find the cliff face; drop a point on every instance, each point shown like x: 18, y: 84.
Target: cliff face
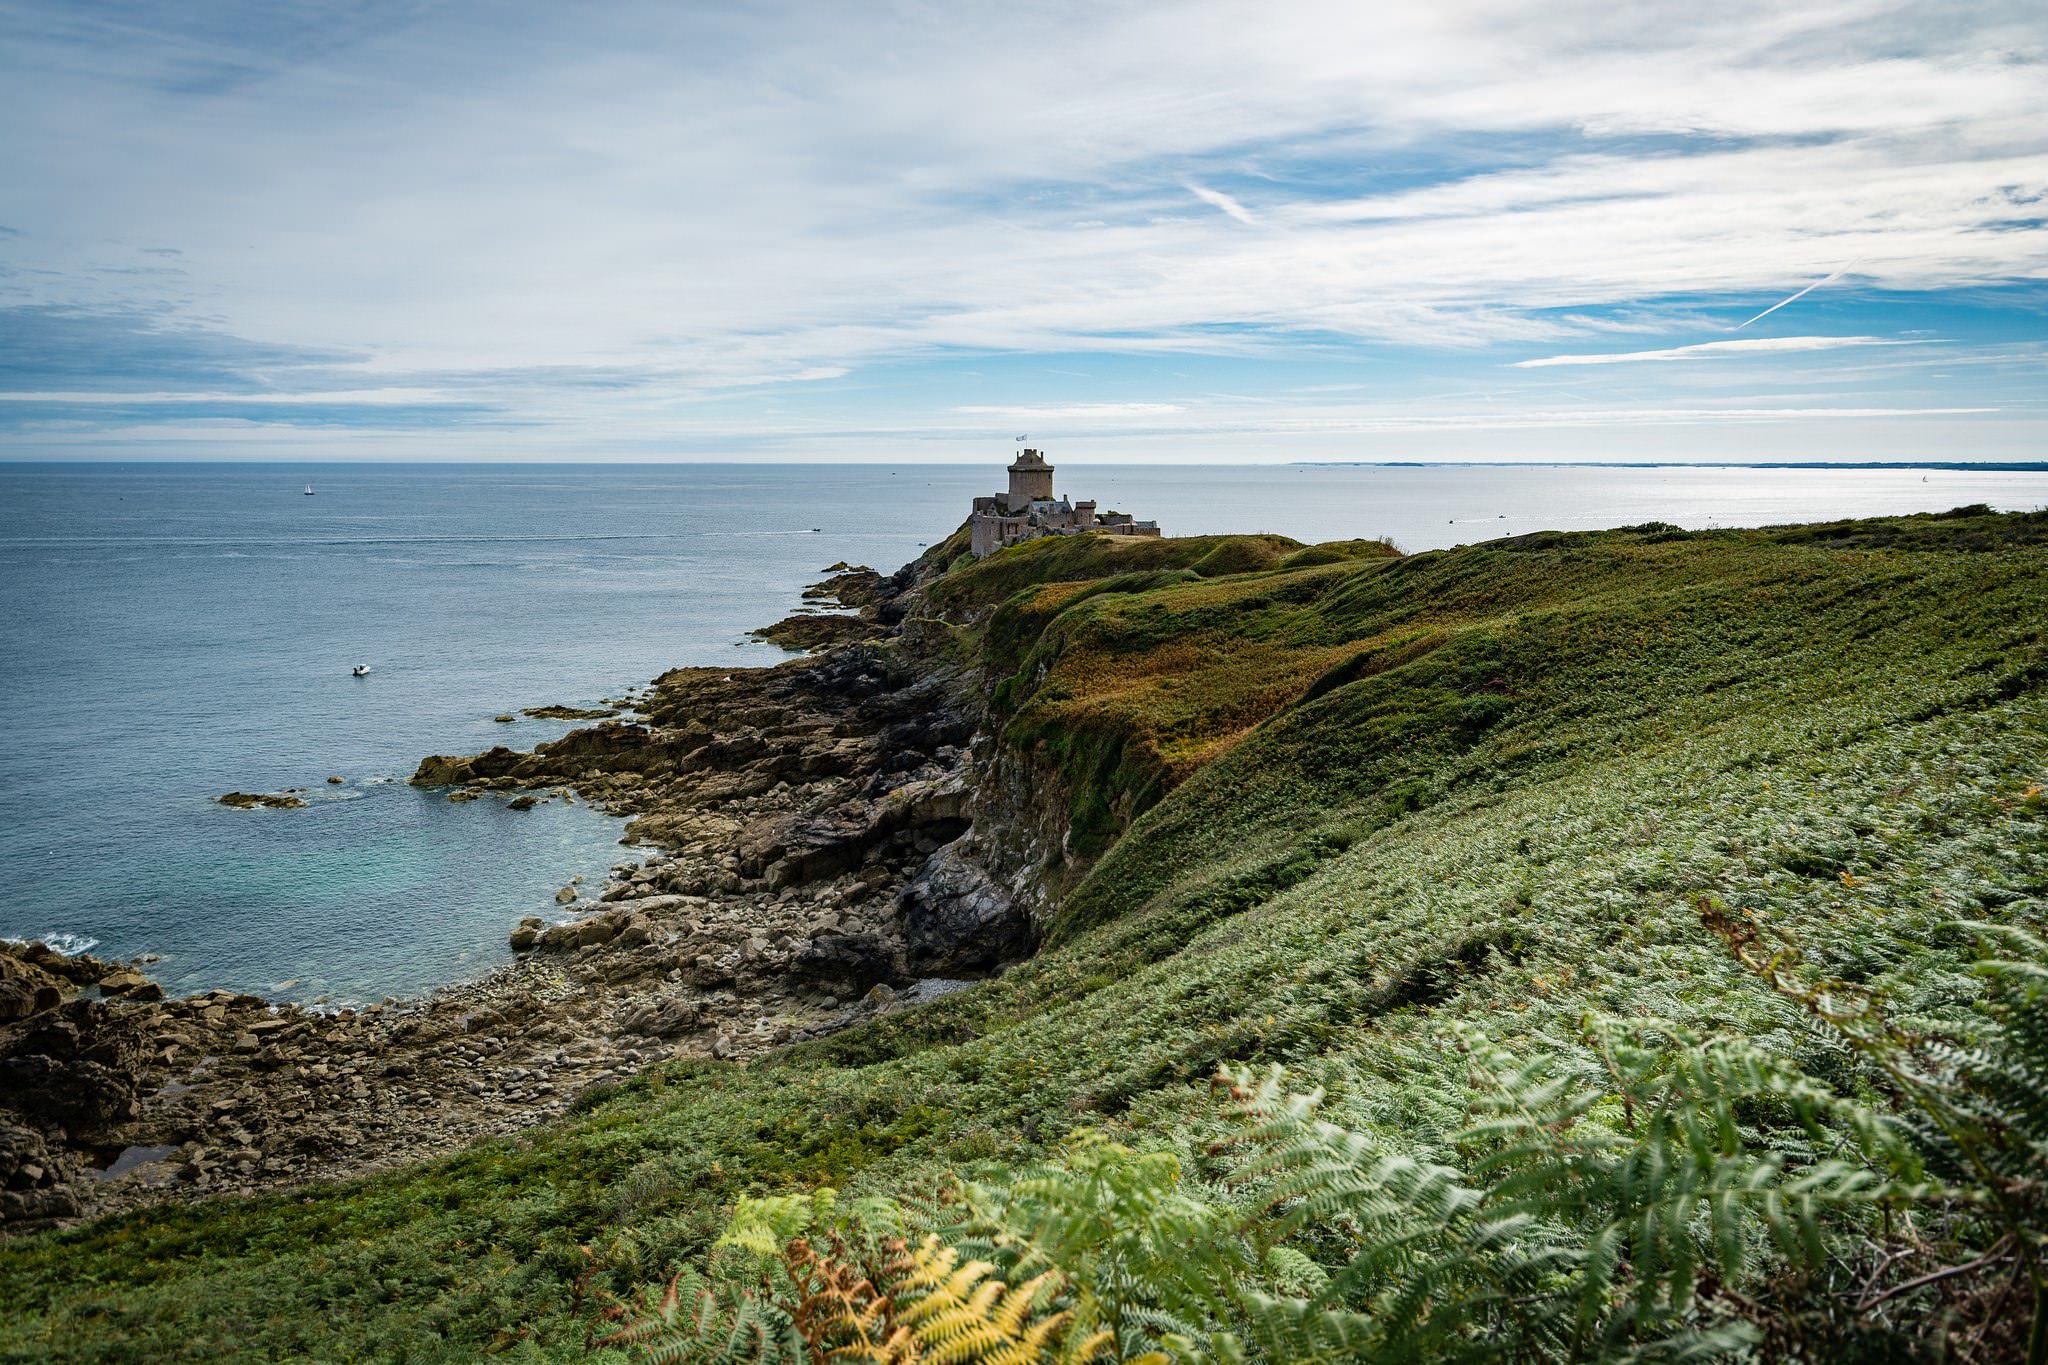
x: 1097, y: 696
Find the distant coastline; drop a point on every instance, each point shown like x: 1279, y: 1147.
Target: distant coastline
x: 130, y: 465
x: 1998, y: 466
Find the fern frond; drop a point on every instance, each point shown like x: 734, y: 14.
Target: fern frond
x: 838, y: 1310
x: 1137, y: 1255
x: 957, y: 1313
x: 1303, y: 1333
x: 706, y: 1325
x: 1977, y: 1109
x: 765, y: 1225
x: 1608, y: 1181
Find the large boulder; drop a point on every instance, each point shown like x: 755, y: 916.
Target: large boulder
x: 33, y: 1191
x: 79, y: 969
x: 18, y: 1000
x: 956, y: 918
x: 126, y: 981
x: 27, y: 988
x: 440, y: 770
x: 76, y: 1092
x: 443, y: 770
x: 662, y: 1018
x: 793, y: 850
x: 607, y: 740
x: 817, y: 630
x: 856, y: 962
x: 271, y: 800
x: 600, y: 928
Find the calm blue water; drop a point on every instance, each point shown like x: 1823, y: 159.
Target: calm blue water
x: 169, y: 633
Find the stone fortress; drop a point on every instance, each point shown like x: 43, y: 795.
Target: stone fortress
x: 1029, y: 511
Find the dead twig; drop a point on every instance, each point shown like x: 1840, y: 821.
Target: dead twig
x: 1991, y: 1257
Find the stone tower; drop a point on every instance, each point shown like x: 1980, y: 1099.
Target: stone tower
x: 1030, y: 480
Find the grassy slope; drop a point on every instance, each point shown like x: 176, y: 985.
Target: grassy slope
x: 1133, y: 662
x: 1513, y: 769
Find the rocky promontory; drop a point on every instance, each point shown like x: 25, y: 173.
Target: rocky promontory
x: 839, y: 610
x: 810, y: 862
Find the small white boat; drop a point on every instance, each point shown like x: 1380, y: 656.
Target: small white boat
x: 309, y: 490
x: 360, y: 671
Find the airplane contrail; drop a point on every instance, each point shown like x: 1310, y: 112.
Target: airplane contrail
x: 1801, y: 294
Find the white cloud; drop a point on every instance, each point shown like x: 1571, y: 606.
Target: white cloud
x: 363, y: 397
x: 1072, y: 411
x: 1219, y: 200
x: 706, y: 200
x: 1707, y: 350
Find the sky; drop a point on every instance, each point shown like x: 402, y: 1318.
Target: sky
x: 611, y: 230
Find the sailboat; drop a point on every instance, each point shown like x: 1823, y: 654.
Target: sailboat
x: 309, y: 490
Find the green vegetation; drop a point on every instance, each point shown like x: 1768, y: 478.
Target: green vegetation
x: 1525, y: 855
x: 1616, y: 1195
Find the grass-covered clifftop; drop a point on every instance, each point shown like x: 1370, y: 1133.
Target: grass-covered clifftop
x: 1368, y: 798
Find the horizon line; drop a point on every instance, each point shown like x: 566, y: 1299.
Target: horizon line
x: 2010, y: 466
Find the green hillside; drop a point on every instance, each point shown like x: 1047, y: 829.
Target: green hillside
x: 1358, y: 815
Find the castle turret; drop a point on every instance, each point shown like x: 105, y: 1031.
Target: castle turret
x: 1030, y: 480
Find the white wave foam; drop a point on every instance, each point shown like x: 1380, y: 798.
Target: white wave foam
x: 71, y: 945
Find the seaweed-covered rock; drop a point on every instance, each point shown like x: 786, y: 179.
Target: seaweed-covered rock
x: 270, y: 800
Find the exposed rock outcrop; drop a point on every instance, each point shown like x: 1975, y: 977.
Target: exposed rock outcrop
x: 957, y: 918
x: 818, y: 630
x: 33, y: 978
x: 251, y: 800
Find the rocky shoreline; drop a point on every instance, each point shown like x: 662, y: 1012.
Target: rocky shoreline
x: 815, y: 865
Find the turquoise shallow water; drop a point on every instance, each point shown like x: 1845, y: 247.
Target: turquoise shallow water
x: 169, y: 633
x: 172, y: 633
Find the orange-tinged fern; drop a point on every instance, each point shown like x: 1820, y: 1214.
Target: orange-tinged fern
x: 959, y: 1314
x: 840, y: 1313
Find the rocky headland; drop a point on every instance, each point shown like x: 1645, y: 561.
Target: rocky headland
x: 813, y: 862
x: 1441, y: 832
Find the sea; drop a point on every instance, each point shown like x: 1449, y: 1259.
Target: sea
x: 172, y: 632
